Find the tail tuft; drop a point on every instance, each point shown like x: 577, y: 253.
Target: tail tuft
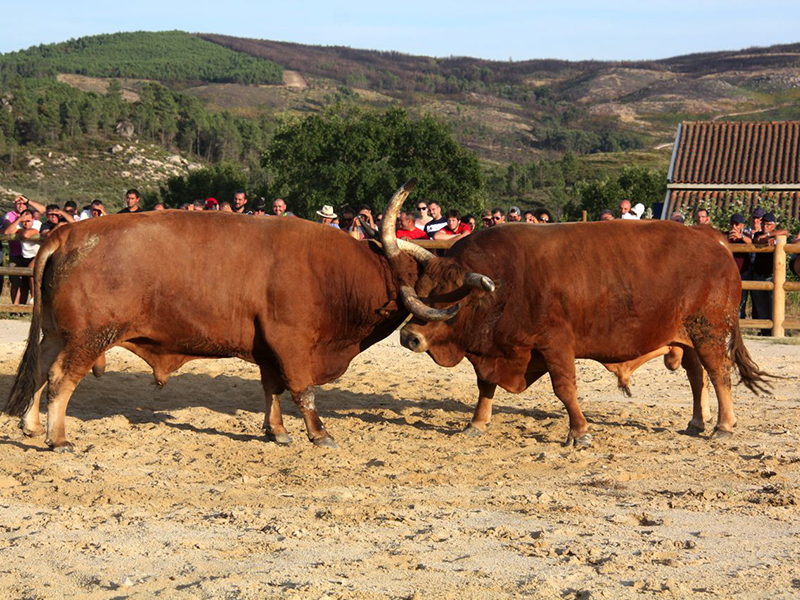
x: 751, y: 375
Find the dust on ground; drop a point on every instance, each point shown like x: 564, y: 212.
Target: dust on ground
x: 175, y: 493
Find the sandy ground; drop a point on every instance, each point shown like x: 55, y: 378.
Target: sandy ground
x: 174, y: 493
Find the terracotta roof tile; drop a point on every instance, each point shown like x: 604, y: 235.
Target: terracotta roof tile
x: 738, y: 153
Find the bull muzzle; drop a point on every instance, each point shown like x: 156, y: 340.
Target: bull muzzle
x: 413, y: 340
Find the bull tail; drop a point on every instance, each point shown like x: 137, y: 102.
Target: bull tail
x: 754, y: 378
x: 26, y: 381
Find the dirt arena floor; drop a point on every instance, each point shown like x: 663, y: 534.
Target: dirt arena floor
x: 174, y: 493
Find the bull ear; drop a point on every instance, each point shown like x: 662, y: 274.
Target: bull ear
x: 422, y: 311
x: 477, y: 281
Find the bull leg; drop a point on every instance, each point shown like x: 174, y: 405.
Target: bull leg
x: 30, y: 424
x: 67, y: 371
x: 624, y: 370
x: 697, y: 379
x: 561, y: 366
x: 314, y: 428
x: 483, y: 412
x: 714, y: 357
x: 273, y: 418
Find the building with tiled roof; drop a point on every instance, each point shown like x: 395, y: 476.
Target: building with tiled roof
x: 720, y: 162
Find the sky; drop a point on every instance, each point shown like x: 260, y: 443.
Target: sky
x: 498, y: 30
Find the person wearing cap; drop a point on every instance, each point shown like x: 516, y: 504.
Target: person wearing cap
x: 514, y: 215
x: 132, y: 202
x: 737, y: 235
x: 762, y: 268
x: 755, y: 222
x: 486, y: 219
x: 327, y: 216
x: 211, y: 204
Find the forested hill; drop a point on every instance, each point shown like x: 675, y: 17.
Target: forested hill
x: 164, y: 56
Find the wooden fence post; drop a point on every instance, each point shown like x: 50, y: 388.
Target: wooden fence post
x: 778, y: 293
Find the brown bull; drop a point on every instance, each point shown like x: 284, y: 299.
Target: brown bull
x: 619, y: 292
x: 305, y: 303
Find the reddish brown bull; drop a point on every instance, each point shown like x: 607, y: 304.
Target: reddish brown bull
x: 307, y: 301
x: 611, y: 292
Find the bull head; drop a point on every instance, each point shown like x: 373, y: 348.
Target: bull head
x: 392, y: 248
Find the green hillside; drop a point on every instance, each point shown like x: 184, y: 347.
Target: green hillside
x: 164, y: 56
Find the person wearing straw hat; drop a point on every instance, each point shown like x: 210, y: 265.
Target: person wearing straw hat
x: 327, y: 216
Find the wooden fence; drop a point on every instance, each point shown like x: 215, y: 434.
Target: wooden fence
x: 779, y: 286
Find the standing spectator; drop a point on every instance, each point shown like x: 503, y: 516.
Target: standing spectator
x: 21, y: 204
x: 327, y: 216
x: 737, y: 235
x: 259, y: 210
x: 486, y: 219
x: 606, y: 215
x: 529, y: 216
x: 72, y: 209
x: 701, y: 217
x: 95, y: 209
x: 348, y: 215
x: 624, y: 208
x: 24, y: 228
x: 226, y: 207
x: 498, y: 216
x: 239, y: 202
x: 454, y: 229
x: 678, y: 218
x: 543, y: 215
x: 469, y: 220
x: 751, y: 231
x: 424, y: 215
x: 211, y: 204
x: 408, y: 229
x: 763, y: 268
x: 514, y: 215
x: 132, y: 202
x: 279, y: 208
x: 438, y: 221
x: 55, y: 218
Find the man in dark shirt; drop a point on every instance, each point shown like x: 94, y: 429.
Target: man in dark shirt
x: 438, y: 222
x: 54, y: 218
x: 737, y: 235
x: 763, y: 268
x: 132, y: 202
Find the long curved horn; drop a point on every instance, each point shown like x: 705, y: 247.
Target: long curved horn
x: 421, y: 254
x: 388, y: 236
x: 479, y: 282
x: 422, y: 311
x: 371, y: 233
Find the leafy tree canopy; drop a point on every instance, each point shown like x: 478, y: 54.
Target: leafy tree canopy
x: 351, y: 157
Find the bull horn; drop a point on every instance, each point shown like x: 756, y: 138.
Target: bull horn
x: 388, y: 236
x: 418, y: 252
x: 371, y: 233
x: 479, y: 282
x: 422, y: 311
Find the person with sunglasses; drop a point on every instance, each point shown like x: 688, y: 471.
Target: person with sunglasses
x: 423, y: 215
x: 498, y: 216
x: 437, y: 221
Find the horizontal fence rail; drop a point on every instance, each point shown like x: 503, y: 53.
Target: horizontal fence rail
x: 779, y: 286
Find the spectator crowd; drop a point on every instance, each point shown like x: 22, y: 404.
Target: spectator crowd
x: 428, y: 222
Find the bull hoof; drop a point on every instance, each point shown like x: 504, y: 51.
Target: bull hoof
x: 27, y: 432
x: 721, y: 434
x: 325, y: 442
x: 581, y: 441
x: 694, y: 429
x: 282, y: 439
x: 63, y: 447
x: 473, y: 431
